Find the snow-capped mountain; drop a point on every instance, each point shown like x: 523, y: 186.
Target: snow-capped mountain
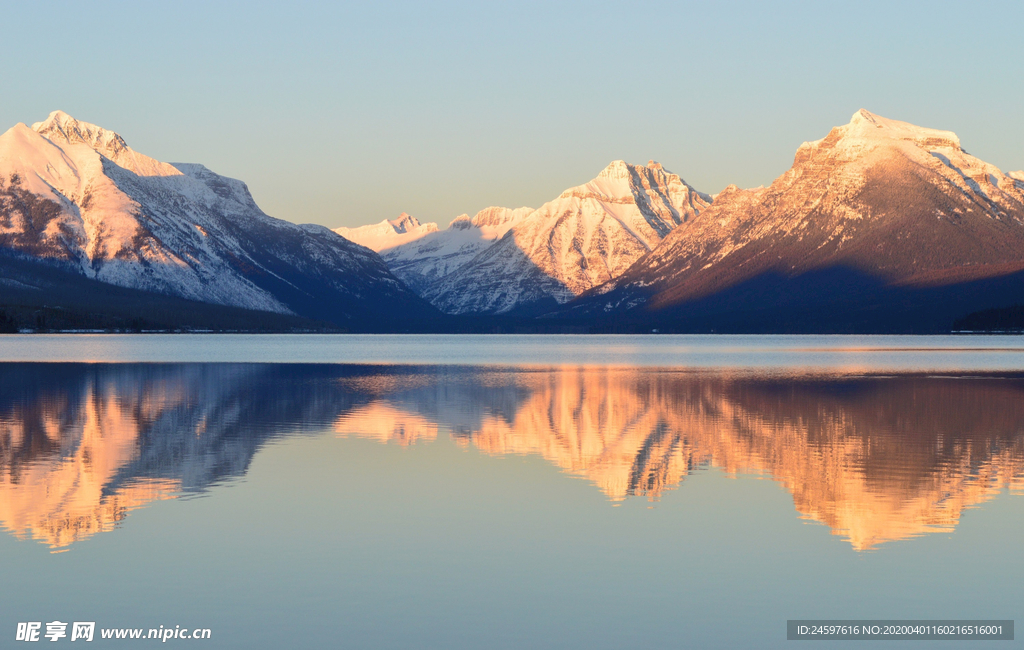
x: 76, y: 195
x: 880, y: 217
x: 587, y: 236
x: 524, y: 260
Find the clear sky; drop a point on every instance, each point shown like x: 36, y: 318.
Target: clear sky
x: 349, y: 113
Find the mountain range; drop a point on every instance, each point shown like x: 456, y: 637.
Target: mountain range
x: 879, y: 226
x: 527, y: 261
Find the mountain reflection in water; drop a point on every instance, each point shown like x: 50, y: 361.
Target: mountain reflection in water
x: 874, y: 458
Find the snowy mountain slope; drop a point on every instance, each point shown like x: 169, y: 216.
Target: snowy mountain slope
x: 421, y: 255
x: 75, y: 194
x: 587, y: 236
x: 883, y: 206
x: 427, y: 260
x: 388, y: 233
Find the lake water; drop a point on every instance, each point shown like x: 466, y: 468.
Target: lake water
x: 508, y: 492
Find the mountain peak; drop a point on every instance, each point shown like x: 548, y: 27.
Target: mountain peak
x: 863, y: 115
x: 389, y: 233
x: 868, y: 136
x: 62, y: 129
x: 61, y: 126
x: 615, y: 169
x: 404, y: 223
x: 865, y: 125
x: 55, y: 119
x: 461, y: 222
x: 622, y: 170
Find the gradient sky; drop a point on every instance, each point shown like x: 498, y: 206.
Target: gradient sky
x: 344, y: 114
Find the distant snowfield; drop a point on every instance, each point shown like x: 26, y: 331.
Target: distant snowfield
x: 504, y: 261
x: 389, y: 233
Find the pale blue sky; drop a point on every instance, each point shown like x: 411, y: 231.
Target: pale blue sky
x: 351, y: 113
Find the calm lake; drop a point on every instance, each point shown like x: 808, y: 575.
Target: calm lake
x: 508, y: 491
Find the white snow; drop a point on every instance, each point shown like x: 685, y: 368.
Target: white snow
x: 425, y: 260
x: 389, y: 233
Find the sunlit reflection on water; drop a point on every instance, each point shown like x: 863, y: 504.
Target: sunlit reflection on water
x: 875, y: 458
